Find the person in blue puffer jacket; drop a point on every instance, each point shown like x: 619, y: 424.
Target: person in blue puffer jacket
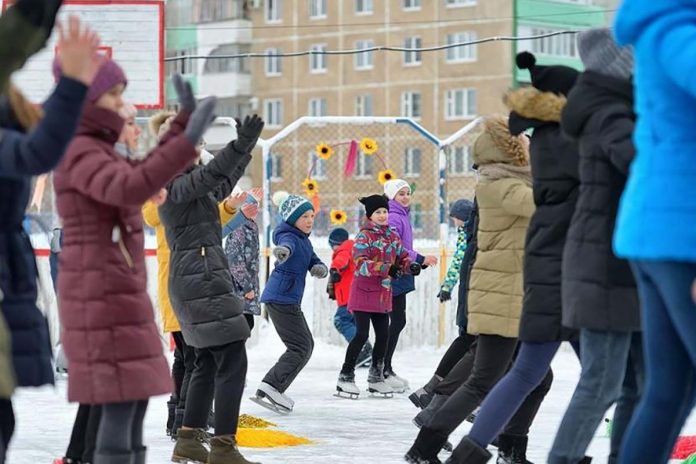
x: 656, y: 224
x: 283, y: 298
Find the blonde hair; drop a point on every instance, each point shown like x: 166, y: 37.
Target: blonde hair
x: 158, y: 121
x: 27, y: 113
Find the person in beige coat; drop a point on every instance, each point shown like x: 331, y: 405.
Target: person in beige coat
x: 505, y: 201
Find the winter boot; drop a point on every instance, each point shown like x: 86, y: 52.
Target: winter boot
x: 423, y: 417
x: 223, y: 450
x: 376, y: 383
x: 425, y: 449
x: 171, y: 407
x: 512, y: 449
x: 178, y: 420
x: 140, y: 456
x: 189, y: 447
x: 422, y: 397
x: 468, y: 452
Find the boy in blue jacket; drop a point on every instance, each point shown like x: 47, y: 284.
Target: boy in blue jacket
x: 283, y: 296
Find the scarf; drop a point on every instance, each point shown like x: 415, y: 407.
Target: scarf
x: 496, y: 171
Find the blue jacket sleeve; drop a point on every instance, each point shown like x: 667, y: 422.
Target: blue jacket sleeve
x: 25, y: 155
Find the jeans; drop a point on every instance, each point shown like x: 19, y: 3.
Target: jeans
x: 345, y: 323
x: 397, y: 322
x: 669, y: 320
x: 454, y: 354
x: 380, y: 322
x: 604, y: 356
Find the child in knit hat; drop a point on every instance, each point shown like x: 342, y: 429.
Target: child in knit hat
x: 283, y: 296
x: 398, y: 192
x: 379, y: 258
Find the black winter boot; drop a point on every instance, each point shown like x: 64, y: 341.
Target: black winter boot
x: 171, y: 407
x: 512, y: 449
x: 422, y: 397
x: 468, y: 452
x: 428, y: 444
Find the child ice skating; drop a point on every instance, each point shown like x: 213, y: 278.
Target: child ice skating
x: 379, y: 257
x: 283, y: 296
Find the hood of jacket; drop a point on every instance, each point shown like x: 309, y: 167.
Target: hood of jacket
x: 635, y: 16
x: 530, y: 108
x: 592, y: 92
x: 100, y: 123
x: 285, y: 228
x: 396, y: 208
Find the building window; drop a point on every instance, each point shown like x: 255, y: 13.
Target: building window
x: 274, y: 11
x: 363, y: 105
x: 459, y: 161
x: 320, y: 167
x: 460, y: 104
x: 317, y: 62
x: 557, y: 46
x: 317, y: 107
x: 365, y: 166
x: 412, y: 162
x: 276, y: 167
x: 411, y: 105
x: 317, y: 9
x: 273, y: 112
x: 219, y: 10
x: 227, y: 65
x: 458, y: 3
x: 412, y: 4
x: 364, y: 60
x: 417, y: 216
x: 181, y: 65
x: 466, y: 53
x: 232, y: 107
x: 412, y: 58
x: 363, y: 6
x: 274, y: 64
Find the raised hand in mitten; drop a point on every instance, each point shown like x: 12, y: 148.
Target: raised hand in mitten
x: 281, y: 253
x: 248, y: 133
x: 414, y: 269
x: 184, y: 93
x: 334, y: 276
x: 395, y: 271
x: 444, y: 295
x: 200, y: 120
x: 319, y: 271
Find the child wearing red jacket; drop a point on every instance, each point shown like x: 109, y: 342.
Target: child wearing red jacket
x: 340, y: 279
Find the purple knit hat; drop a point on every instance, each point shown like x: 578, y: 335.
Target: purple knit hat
x: 109, y: 75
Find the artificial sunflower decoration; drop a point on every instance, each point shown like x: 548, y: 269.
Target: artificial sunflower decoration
x: 368, y: 146
x: 338, y: 217
x: 324, y: 151
x: 384, y: 176
x: 311, y: 187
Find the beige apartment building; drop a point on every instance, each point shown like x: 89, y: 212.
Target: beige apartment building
x: 442, y: 90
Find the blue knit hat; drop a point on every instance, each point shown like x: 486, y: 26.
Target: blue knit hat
x: 291, y: 207
x: 461, y: 209
x: 338, y: 236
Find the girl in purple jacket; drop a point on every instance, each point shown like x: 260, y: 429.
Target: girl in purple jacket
x: 398, y: 192
x: 379, y: 257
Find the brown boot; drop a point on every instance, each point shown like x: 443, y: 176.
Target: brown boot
x: 223, y: 450
x: 189, y: 447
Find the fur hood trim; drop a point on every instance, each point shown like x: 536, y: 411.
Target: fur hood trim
x: 531, y: 103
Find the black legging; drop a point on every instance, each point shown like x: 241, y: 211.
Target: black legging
x: 454, y: 354
x: 120, y: 430
x: 7, y: 425
x: 188, y: 355
x: 84, y: 433
x: 380, y: 322
x: 397, y: 322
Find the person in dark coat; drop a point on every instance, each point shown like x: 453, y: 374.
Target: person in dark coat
x: 21, y: 157
x: 599, y: 292
x: 555, y: 183
x: 204, y: 297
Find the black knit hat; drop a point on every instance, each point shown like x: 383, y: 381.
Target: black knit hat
x: 373, y: 203
x: 557, y: 78
x: 338, y: 236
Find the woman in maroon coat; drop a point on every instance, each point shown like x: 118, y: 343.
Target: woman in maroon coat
x: 109, y: 333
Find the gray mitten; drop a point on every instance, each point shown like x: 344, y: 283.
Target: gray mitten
x: 319, y: 271
x: 200, y: 119
x: 184, y: 93
x: 281, y: 253
x: 248, y: 133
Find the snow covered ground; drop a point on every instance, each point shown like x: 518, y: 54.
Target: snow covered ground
x: 364, y: 431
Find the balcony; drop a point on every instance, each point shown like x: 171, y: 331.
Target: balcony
x: 226, y: 31
x: 224, y: 85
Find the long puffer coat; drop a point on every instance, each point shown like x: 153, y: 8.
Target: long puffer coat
x: 555, y: 183
x: 467, y: 264
x: 109, y: 332
x: 201, y: 289
x: 599, y: 291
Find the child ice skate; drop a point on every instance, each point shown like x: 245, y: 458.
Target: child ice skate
x: 283, y: 295
x: 379, y: 257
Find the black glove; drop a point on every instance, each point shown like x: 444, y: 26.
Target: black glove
x: 415, y: 269
x: 334, y: 276
x: 444, y: 295
x: 248, y: 133
x: 331, y: 290
x: 395, y: 272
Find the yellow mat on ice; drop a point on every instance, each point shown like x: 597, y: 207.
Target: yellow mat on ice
x: 255, y: 432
